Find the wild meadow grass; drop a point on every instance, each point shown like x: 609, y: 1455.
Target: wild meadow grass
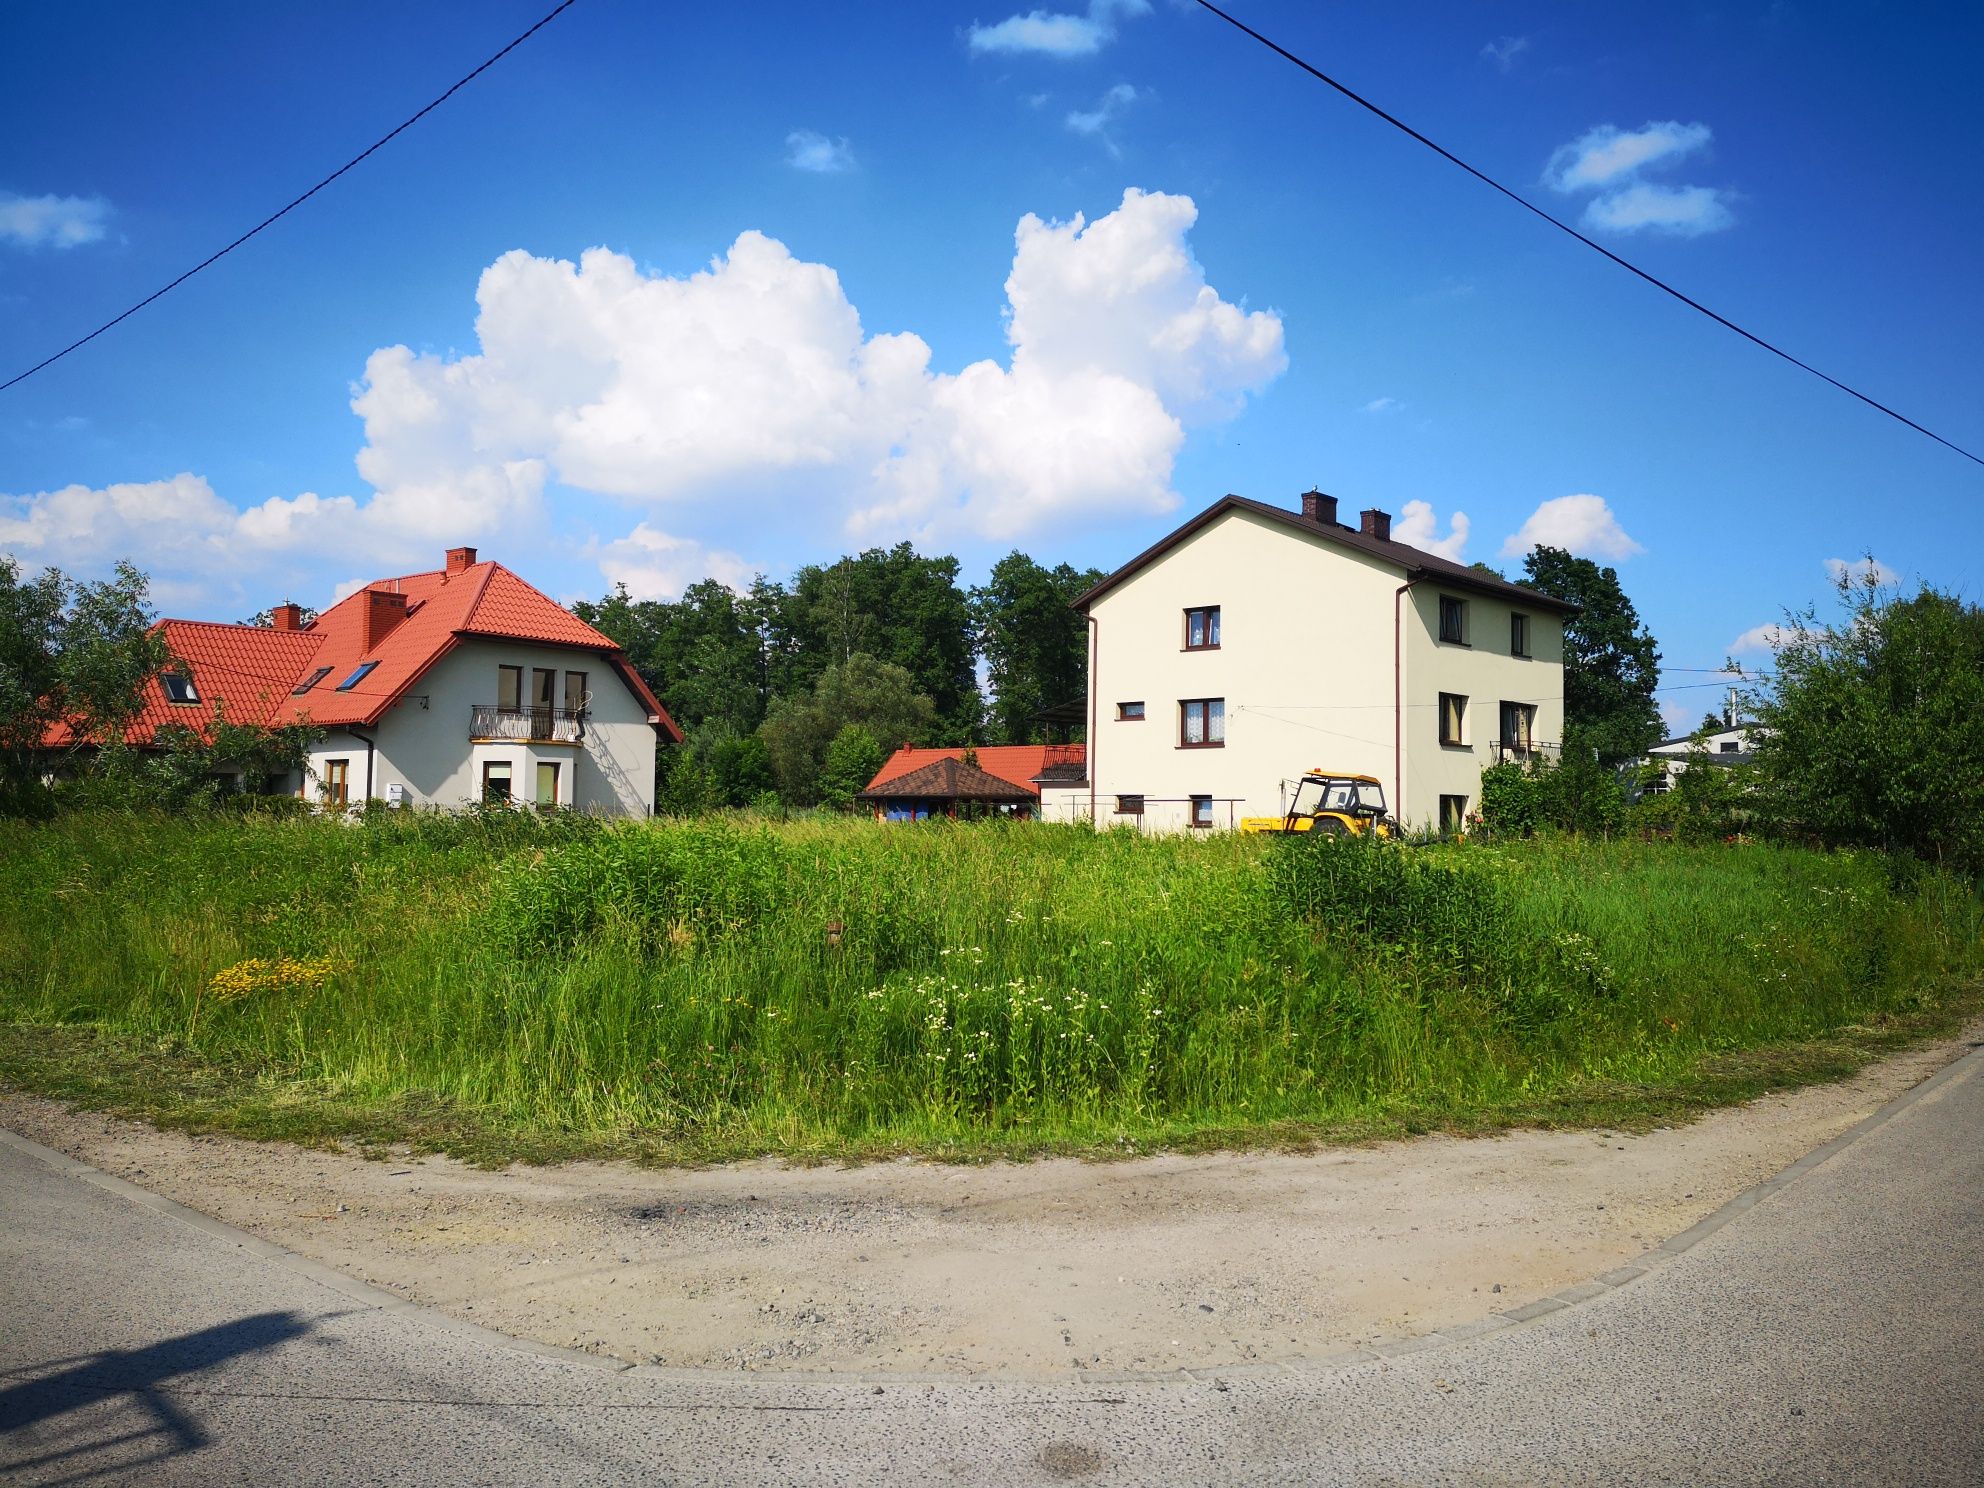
x: 503, y: 986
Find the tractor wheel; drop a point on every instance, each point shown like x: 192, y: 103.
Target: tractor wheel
x: 1329, y: 826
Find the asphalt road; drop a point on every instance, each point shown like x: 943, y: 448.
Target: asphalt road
x: 1828, y: 1333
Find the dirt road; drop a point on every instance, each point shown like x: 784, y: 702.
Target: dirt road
x: 1154, y: 1263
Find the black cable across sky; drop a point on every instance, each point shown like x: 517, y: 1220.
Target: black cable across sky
x: 1522, y: 201
x: 275, y: 217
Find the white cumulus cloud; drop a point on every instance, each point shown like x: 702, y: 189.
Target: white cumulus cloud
x: 52, y: 221
x: 1612, y: 162
x: 1606, y: 153
x: 1763, y: 638
x: 656, y: 565
x: 1096, y: 122
x: 1418, y: 527
x: 178, y: 519
x: 1860, y: 570
x: 1056, y: 33
x: 809, y: 150
x: 1581, y: 524
x: 1684, y: 211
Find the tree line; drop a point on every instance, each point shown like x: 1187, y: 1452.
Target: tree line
x: 802, y: 689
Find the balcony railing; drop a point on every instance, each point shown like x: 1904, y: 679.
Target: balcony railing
x: 1063, y: 764
x: 527, y: 725
x: 1524, y: 751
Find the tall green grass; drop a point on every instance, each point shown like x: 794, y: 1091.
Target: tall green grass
x: 716, y: 988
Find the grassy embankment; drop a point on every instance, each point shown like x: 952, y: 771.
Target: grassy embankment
x: 502, y: 989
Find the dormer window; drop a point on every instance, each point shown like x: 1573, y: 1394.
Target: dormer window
x: 364, y: 671
x: 310, y: 681
x: 178, y: 687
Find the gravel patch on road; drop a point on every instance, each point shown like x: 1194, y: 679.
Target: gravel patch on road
x: 1025, y: 1269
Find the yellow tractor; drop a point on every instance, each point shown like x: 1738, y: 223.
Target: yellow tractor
x: 1337, y: 804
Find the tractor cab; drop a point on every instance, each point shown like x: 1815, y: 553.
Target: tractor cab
x: 1326, y: 801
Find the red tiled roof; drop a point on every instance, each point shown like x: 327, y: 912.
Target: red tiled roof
x: 1017, y: 764
x: 948, y: 778
x: 247, y: 670
x: 244, y: 663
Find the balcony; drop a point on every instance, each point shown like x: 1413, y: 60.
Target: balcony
x: 490, y: 723
x: 1526, y: 751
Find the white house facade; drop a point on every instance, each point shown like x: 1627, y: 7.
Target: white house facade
x: 1255, y: 643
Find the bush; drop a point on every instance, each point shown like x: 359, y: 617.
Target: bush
x: 1511, y: 799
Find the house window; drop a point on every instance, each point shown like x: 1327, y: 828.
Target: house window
x: 337, y: 782
x: 547, y: 784
x: 310, y: 681
x: 575, y: 691
x: 1453, y: 718
x: 1129, y: 805
x: 364, y: 670
x: 1202, y: 723
x: 1518, y: 635
x: 178, y: 687
x: 1202, y: 811
x: 496, y: 782
x: 1727, y: 746
x: 1453, y: 815
x: 509, y: 688
x: 1202, y: 629
x: 1518, y: 726
x: 1129, y: 712
x: 543, y: 688
x: 1453, y: 620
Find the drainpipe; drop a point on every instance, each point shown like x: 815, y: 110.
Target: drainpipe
x: 1398, y: 698
x: 370, y: 742
x: 1094, y: 651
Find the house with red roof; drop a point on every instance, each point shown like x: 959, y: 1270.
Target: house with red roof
x: 443, y: 688
x: 1028, y: 780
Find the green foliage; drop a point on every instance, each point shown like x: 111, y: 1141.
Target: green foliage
x: 1581, y: 793
x: 1035, y: 645
x: 707, y: 989
x: 1869, y: 733
x: 852, y: 760
x: 1704, y: 801
x: 704, y: 654
x: 1511, y: 799
x: 70, y: 652
x: 1611, y: 665
x: 880, y: 698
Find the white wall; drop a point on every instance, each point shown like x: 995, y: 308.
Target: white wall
x: 1306, y: 668
x: 423, y: 741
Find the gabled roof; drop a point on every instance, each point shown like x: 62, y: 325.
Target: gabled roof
x: 246, y: 670
x: 253, y: 670
x: 1016, y: 764
x: 948, y: 779
x: 1413, y: 562
x: 481, y: 600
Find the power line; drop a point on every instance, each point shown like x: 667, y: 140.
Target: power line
x: 274, y: 217
x: 1527, y: 205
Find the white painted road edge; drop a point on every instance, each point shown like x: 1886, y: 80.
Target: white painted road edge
x: 378, y: 1299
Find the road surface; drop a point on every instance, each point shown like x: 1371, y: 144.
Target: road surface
x: 1825, y: 1329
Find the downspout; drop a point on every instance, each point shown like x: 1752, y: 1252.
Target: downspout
x: 1094, y: 651
x: 1398, y: 699
x: 370, y: 741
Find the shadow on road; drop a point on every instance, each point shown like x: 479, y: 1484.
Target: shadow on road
x: 118, y: 1383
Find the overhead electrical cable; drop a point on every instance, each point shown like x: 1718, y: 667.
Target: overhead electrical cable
x: 277, y: 216
x: 1524, y: 202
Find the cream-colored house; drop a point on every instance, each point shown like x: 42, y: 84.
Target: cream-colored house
x: 1255, y: 643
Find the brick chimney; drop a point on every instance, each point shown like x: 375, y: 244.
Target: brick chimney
x: 460, y: 558
x: 287, y: 617
x: 383, y: 610
x: 1319, y: 508
x: 1377, y: 524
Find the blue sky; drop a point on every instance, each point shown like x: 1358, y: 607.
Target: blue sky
x: 799, y: 338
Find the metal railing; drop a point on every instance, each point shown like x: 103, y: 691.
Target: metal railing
x: 1522, y: 752
x: 527, y: 725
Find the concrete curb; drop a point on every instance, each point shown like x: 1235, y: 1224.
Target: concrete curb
x: 372, y: 1298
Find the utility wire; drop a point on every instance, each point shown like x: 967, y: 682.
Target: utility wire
x: 273, y: 218
x: 1524, y: 202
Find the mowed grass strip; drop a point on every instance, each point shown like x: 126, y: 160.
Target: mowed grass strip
x: 500, y: 986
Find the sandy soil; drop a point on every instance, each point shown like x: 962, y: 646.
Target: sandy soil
x: 1154, y: 1263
